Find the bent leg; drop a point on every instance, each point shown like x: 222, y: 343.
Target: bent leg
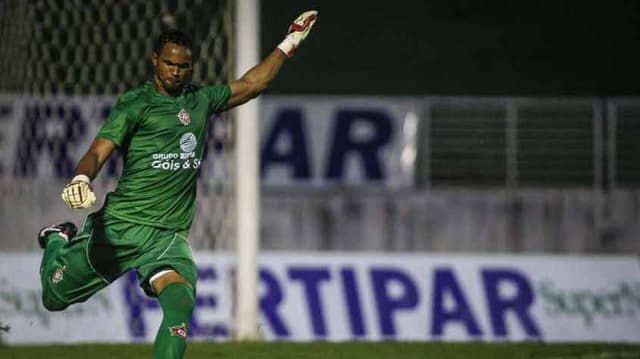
x: 66, y: 274
x: 177, y: 299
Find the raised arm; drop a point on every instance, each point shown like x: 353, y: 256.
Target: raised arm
x: 79, y: 193
x: 257, y: 79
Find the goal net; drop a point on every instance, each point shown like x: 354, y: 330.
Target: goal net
x: 100, y: 48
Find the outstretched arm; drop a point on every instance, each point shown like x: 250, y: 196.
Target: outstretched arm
x: 79, y: 193
x: 257, y: 79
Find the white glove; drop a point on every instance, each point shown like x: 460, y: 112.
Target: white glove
x: 298, y: 31
x: 79, y: 193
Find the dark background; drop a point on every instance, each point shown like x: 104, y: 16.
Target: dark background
x: 460, y: 47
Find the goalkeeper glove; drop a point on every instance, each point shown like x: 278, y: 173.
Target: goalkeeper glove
x: 298, y: 31
x: 79, y: 193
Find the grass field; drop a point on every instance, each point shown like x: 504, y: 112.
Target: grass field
x: 337, y: 350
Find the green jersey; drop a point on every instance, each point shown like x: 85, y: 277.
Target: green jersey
x: 162, y: 140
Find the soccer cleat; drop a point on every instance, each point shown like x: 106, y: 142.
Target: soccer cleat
x: 66, y: 230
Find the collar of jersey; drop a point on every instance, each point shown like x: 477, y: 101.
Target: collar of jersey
x: 151, y: 88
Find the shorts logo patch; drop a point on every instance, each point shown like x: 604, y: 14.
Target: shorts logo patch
x: 58, y: 275
x: 179, y: 331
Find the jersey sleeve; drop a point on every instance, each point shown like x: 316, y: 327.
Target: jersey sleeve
x: 120, y: 124
x: 217, y: 97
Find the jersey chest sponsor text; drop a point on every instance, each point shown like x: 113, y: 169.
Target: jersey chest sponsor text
x: 183, y: 160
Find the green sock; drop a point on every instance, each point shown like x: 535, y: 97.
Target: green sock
x: 177, y: 301
x: 49, y: 261
x: 54, y: 244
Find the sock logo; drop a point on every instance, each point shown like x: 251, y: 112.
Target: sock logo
x: 179, y: 331
x: 58, y: 275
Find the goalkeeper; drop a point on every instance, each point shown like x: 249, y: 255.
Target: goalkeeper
x: 160, y: 130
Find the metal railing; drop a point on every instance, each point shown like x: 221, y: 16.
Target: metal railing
x: 529, y: 142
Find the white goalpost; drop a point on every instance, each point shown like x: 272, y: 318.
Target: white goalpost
x: 247, y: 189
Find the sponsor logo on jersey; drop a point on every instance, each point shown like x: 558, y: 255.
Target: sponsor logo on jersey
x: 175, y: 161
x: 188, y: 142
x: 58, y: 275
x: 179, y: 331
x: 184, y: 118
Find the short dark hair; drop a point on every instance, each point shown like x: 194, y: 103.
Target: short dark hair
x: 172, y: 36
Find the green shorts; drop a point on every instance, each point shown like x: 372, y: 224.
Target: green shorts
x: 108, y: 247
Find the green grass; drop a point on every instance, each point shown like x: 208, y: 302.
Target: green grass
x: 337, y: 350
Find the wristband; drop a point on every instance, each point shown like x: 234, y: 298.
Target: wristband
x: 287, y: 47
x: 81, y: 178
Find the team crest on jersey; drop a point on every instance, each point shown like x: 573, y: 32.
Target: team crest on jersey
x: 58, y: 275
x: 179, y: 331
x: 184, y: 118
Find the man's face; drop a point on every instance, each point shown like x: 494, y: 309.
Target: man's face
x: 172, y: 67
